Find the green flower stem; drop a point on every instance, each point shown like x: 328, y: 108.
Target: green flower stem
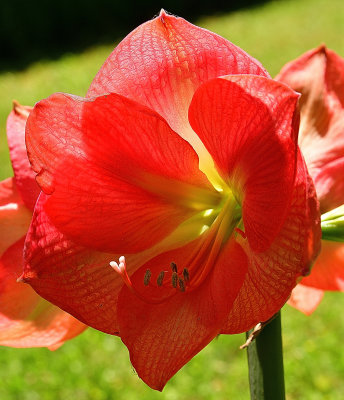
x: 265, y: 363
x: 332, y: 225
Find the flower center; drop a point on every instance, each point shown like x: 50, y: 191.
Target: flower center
x: 190, y: 272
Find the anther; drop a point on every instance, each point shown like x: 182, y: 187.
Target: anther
x: 186, y: 275
x: 147, y: 277
x: 160, y: 278
x: 174, y: 267
x: 174, y: 279
x: 181, y: 285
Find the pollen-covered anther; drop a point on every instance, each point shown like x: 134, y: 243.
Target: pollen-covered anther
x: 174, y: 267
x: 160, y: 278
x: 147, y: 277
x: 174, y: 279
x: 181, y: 284
x: 186, y: 275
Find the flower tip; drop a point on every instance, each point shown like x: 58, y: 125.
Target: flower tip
x: 15, y: 104
x: 163, y: 15
x: 322, y: 48
x: 19, y: 109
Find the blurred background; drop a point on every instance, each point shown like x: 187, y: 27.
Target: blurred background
x: 59, y: 46
x: 32, y: 30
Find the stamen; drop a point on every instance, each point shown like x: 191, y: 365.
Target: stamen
x: 121, y: 269
x: 174, y: 267
x: 174, y: 279
x: 199, y: 263
x: 160, y: 279
x: 186, y: 275
x: 181, y: 285
x: 241, y: 233
x: 147, y: 277
x: 211, y: 245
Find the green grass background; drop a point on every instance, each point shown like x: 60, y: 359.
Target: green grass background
x: 95, y: 366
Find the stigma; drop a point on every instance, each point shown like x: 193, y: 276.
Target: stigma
x: 121, y: 269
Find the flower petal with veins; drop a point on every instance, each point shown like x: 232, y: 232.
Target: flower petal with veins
x: 146, y: 178
x: 27, y: 320
x: 162, y: 63
x: 163, y: 337
x: 14, y: 216
x: 305, y: 298
x: 24, y: 175
x: 319, y: 76
x: 247, y: 124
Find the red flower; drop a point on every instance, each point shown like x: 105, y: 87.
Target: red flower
x: 26, y: 320
x: 193, y: 178
x: 319, y: 76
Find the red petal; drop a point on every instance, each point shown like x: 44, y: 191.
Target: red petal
x: 247, y: 124
x: 335, y: 77
x: 328, y: 270
x: 161, y: 338
x: 120, y: 178
x: 9, y: 193
x: 78, y: 280
x: 26, y: 320
x: 25, y: 177
x: 162, y: 62
x: 273, y: 274
x: 14, y: 216
x: 75, y: 278
x: 305, y: 299
x: 329, y: 183
x: 319, y: 76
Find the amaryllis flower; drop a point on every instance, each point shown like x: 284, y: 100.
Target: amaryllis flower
x: 319, y: 76
x: 26, y: 320
x: 181, y: 168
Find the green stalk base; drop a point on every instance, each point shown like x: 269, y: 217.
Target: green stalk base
x: 265, y: 363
